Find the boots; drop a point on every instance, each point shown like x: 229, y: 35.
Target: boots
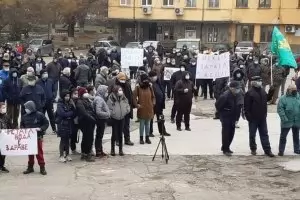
x: 121, y: 153
x: 90, y: 158
x: 112, y: 151
x: 29, y: 170
x: 43, y: 171
x: 148, y: 140
x: 142, y: 140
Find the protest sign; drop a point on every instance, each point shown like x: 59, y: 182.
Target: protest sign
x: 168, y: 72
x: 131, y: 57
x: 212, y: 66
x: 18, y: 142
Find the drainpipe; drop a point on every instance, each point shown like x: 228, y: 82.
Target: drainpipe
x: 202, y: 22
x: 135, y: 22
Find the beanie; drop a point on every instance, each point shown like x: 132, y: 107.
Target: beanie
x: 81, y: 91
x: 43, y: 71
x: 143, y: 77
x: 121, y: 76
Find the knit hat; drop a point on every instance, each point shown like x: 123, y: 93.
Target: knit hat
x: 81, y: 91
x: 121, y: 76
x: 152, y: 74
x: 234, y: 84
x: 292, y: 87
x: 43, y: 71
x: 144, y: 77
x: 64, y: 93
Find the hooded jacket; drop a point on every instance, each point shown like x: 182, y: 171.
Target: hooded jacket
x: 65, y: 83
x: 99, y: 104
x: 101, y: 79
x: 83, y: 73
x: 49, y: 89
x: 33, y: 93
x: 288, y: 110
x: 34, y: 119
x: 12, y: 88
x: 184, y: 100
x: 118, y: 106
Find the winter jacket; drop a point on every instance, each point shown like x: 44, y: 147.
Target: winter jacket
x: 3, y: 76
x: 65, y: 114
x: 118, y: 106
x: 288, y: 109
x: 255, y: 104
x: 63, y: 62
x: 227, y: 106
x: 24, y: 80
x: 65, y: 83
x: 192, y: 70
x: 278, y: 75
x: 85, y: 111
x: 33, y: 93
x: 12, y: 89
x: 254, y: 70
x: 54, y: 70
x: 23, y: 68
x: 157, y: 68
x: 83, y: 74
x: 101, y: 79
x: 159, y: 96
x: 220, y: 86
x: 183, y: 100
x: 126, y: 87
x: 99, y: 104
x: 146, y: 99
x: 266, y: 75
x: 176, y: 76
x: 35, y: 119
x: 49, y: 89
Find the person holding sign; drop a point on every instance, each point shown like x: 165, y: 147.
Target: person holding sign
x: 4, y: 124
x: 35, y: 119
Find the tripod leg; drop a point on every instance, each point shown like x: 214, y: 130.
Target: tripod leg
x: 156, y: 150
x: 166, y: 154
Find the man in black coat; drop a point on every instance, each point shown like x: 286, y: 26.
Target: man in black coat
x: 256, y: 107
x: 64, y: 81
x: 227, y: 108
x: 159, y: 104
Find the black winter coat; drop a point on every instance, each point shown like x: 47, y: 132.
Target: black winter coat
x: 35, y: 120
x: 65, y: 115
x: 85, y: 111
x: 227, y: 106
x: 184, y: 100
x: 65, y: 83
x: 33, y: 93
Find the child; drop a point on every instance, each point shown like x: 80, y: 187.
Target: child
x: 65, y: 114
x: 119, y: 108
x: 34, y: 119
x: 4, y: 124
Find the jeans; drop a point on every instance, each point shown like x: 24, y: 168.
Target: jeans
x: 39, y: 156
x: 99, y: 135
x: 50, y: 111
x: 64, y: 146
x: 144, y: 126
x: 262, y: 127
x: 283, y: 135
x: 117, y: 127
x: 87, y: 137
x: 13, y: 111
x: 228, y: 131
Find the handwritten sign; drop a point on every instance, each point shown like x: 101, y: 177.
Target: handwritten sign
x: 131, y: 57
x: 212, y: 66
x: 18, y: 142
x: 169, y: 71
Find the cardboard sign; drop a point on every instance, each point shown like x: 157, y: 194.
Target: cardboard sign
x: 169, y: 71
x: 213, y: 66
x: 131, y: 57
x: 18, y: 142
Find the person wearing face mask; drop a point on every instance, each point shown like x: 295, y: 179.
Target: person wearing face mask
x: 48, y: 86
x: 24, y: 77
x: 166, y: 83
x: 119, y: 108
x: 101, y: 77
x: 65, y: 114
x: 249, y: 59
x: 17, y: 61
x: 278, y: 73
x: 254, y: 69
x: 102, y: 115
x: 178, y: 59
x: 150, y: 56
x: 185, y: 52
x: 87, y: 120
x: 265, y: 72
x: 93, y: 65
x: 83, y: 74
x: 191, y: 68
x: 184, y: 95
x: 54, y: 68
x: 74, y: 137
x: 255, y: 107
x: 227, y: 108
x: 29, y: 54
x: 32, y: 118
x: 11, y: 91
x: 65, y: 81
x: 159, y: 104
x: 38, y: 64
x: 288, y: 110
x: 4, y: 73
x: 144, y: 101
x: 157, y: 68
x: 5, y: 123
x: 33, y: 92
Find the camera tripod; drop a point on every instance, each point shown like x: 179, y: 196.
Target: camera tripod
x: 162, y: 142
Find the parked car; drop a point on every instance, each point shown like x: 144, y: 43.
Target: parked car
x: 42, y: 47
x: 190, y: 43
x: 133, y: 45
x: 243, y: 48
x: 107, y: 45
x: 221, y: 47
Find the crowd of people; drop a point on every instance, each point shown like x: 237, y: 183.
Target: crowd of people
x: 94, y: 93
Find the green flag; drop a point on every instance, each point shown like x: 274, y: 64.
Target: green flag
x: 282, y: 49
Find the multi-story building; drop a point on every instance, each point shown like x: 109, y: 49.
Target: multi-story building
x: 213, y: 21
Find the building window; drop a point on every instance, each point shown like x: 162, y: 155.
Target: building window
x: 168, y: 2
x: 191, y: 32
x: 191, y: 3
x: 244, y: 32
x: 212, y: 34
x: 266, y: 33
x: 213, y: 3
x: 124, y: 2
x: 146, y: 2
x: 242, y: 3
x: 264, y: 3
x: 168, y: 32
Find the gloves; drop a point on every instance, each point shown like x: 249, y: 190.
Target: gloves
x: 185, y: 90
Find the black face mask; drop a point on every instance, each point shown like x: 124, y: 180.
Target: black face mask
x: 294, y: 92
x: 145, y: 84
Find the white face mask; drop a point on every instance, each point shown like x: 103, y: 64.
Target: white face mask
x: 45, y: 76
x: 120, y: 93
x: 29, y: 73
x: 85, y: 95
x: 158, y: 62
x: 154, y: 78
x: 187, y: 77
x: 6, y: 69
x: 27, y: 111
x: 256, y: 62
x: 182, y: 69
x: 3, y: 110
x: 122, y: 81
x: 193, y: 63
x: 14, y: 75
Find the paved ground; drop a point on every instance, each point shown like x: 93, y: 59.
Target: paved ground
x: 196, y: 170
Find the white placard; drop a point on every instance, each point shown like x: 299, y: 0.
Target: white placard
x: 18, y: 142
x: 168, y: 71
x: 212, y: 66
x: 131, y: 57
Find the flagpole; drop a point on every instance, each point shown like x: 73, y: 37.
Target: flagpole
x: 271, y: 69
